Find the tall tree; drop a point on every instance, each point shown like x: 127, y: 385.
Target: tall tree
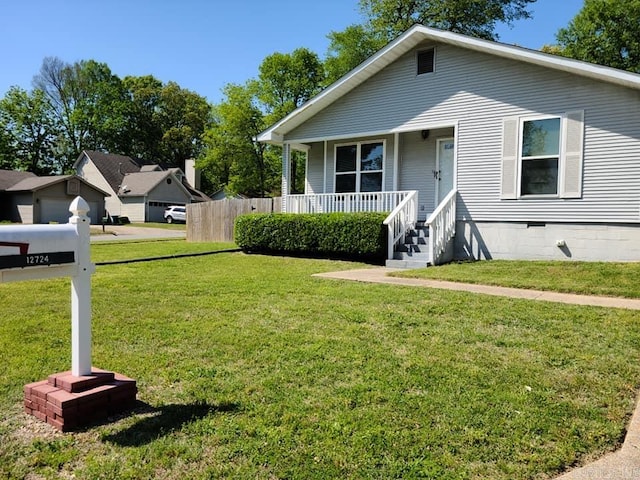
x: 234, y: 160
x: 29, y: 133
x: 386, y: 19
x: 349, y: 48
x: 477, y: 18
x: 604, y: 32
x: 90, y: 105
x: 145, y: 131
x: 289, y: 80
x: 183, y: 117
x: 7, y: 148
x: 286, y: 81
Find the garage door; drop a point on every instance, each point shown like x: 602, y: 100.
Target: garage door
x: 54, y: 210
x: 94, y: 214
x: 156, y: 214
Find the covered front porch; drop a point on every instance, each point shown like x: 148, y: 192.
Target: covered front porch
x: 409, y: 175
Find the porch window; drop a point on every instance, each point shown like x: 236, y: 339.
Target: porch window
x: 540, y: 152
x: 359, y: 167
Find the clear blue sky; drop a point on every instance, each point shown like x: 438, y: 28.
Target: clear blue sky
x: 200, y: 44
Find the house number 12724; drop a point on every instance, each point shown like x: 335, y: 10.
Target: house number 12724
x: 37, y: 259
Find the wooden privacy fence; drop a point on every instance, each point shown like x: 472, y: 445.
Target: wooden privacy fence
x: 213, y: 221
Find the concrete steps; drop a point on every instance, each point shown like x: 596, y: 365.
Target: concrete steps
x: 413, y: 253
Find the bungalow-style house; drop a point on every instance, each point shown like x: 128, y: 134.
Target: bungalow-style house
x: 27, y: 198
x: 138, y: 191
x: 502, y: 152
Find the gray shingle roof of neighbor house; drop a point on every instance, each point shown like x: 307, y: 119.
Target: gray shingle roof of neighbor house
x: 31, y: 184
x: 141, y: 183
x: 113, y: 167
x: 150, y: 168
x: 8, y: 178
x: 418, y: 34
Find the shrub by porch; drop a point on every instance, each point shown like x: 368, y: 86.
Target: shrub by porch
x: 360, y: 235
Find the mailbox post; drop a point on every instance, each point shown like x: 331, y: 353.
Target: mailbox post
x: 84, y: 394
x: 81, y: 292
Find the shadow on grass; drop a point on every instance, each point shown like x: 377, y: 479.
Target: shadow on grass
x: 161, y: 421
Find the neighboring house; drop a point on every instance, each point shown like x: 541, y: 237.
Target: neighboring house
x: 26, y: 198
x: 138, y: 191
x: 505, y: 152
x: 221, y: 194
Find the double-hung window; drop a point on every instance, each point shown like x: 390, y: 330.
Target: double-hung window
x: 539, y: 156
x: 359, y: 167
x: 542, y: 156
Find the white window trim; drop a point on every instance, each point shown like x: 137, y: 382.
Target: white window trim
x: 562, y: 134
x: 358, y: 171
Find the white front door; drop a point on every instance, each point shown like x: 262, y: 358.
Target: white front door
x: 444, y: 168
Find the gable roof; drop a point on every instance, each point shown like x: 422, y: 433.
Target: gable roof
x: 419, y: 34
x: 141, y: 183
x: 32, y: 184
x: 8, y: 178
x: 111, y: 166
x: 37, y: 183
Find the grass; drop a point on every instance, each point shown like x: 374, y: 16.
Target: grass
x: 165, y: 225
x: 249, y: 367
x: 589, y: 278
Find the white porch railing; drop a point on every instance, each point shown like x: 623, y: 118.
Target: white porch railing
x: 402, y: 218
x: 442, y: 227
x: 345, y: 202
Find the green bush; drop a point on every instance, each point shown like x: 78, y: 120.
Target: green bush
x: 361, y: 235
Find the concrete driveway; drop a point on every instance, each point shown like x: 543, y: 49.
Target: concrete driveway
x: 116, y: 233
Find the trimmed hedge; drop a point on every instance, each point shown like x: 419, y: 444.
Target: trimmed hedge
x: 360, y: 235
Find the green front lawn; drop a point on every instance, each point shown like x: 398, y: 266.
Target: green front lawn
x: 589, y: 278
x: 248, y: 367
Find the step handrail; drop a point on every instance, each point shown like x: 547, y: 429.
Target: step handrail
x: 442, y: 226
x: 400, y: 220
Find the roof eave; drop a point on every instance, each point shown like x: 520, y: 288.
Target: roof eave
x: 418, y: 34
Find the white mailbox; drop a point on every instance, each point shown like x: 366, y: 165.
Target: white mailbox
x: 27, y: 246
x: 30, y: 252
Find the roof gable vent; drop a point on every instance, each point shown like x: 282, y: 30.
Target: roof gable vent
x: 426, y: 61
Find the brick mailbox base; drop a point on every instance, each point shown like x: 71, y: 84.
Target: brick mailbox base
x: 68, y: 402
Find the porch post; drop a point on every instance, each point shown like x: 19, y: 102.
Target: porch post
x: 286, y: 173
x: 396, y: 152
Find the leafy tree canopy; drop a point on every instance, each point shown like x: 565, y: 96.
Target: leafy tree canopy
x: 476, y: 18
x: 286, y: 81
x: 83, y: 105
x: 604, y: 32
x: 28, y: 136
x: 233, y: 159
x: 386, y: 19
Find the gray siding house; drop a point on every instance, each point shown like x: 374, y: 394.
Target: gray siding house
x: 138, y: 191
x: 502, y: 152
x: 27, y: 198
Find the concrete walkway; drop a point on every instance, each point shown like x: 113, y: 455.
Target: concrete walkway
x: 623, y: 464
x: 379, y: 275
